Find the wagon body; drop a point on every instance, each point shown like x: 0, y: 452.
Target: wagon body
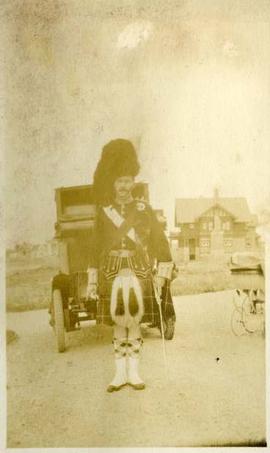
x: 247, y: 272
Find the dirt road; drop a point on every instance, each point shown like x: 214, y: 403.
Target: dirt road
x: 215, y: 393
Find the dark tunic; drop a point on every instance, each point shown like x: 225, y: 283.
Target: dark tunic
x: 150, y: 247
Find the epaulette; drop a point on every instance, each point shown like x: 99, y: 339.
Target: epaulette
x: 141, y: 205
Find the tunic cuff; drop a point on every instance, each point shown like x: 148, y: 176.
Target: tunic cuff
x: 165, y: 270
x: 92, y: 276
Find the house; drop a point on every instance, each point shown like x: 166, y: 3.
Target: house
x: 213, y: 227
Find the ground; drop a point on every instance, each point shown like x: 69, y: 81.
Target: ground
x: 214, y: 393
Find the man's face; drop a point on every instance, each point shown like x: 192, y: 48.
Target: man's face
x: 123, y: 186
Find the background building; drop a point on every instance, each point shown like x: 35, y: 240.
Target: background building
x: 212, y: 227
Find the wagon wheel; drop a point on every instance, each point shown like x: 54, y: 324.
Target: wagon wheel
x: 250, y: 321
x: 59, y: 319
x: 263, y: 328
x: 169, y: 329
x: 237, y: 323
x: 239, y: 298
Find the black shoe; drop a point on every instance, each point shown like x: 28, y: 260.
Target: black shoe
x: 114, y: 388
x: 140, y: 386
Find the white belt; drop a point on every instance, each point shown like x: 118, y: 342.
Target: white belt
x: 123, y: 253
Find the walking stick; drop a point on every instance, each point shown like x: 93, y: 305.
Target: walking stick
x: 158, y: 299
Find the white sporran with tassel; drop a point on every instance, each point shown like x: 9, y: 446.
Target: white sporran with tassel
x: 127, y: 306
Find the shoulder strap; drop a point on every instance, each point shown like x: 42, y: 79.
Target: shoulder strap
x: 124, y: 226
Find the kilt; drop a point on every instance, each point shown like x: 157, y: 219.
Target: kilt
x: 151, y: 309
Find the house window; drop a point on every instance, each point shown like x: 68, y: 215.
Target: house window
x: 181, y: 243
x: 204, y: 243
x: 228, y: 243
x: 204, y: 226
x: 226, y: 226
x: 204, y: 246
x: 210, y: 226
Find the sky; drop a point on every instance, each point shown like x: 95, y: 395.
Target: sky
x: 187, y: 83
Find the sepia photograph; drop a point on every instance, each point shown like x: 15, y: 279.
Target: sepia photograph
x: 136, y: 223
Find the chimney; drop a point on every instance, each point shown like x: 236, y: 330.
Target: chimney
x: 216, y: 194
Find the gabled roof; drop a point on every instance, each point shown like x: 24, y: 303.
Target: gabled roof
x: 254, y: 219
x: 188, y: 210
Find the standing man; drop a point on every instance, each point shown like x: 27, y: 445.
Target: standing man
x: 128, y: 241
